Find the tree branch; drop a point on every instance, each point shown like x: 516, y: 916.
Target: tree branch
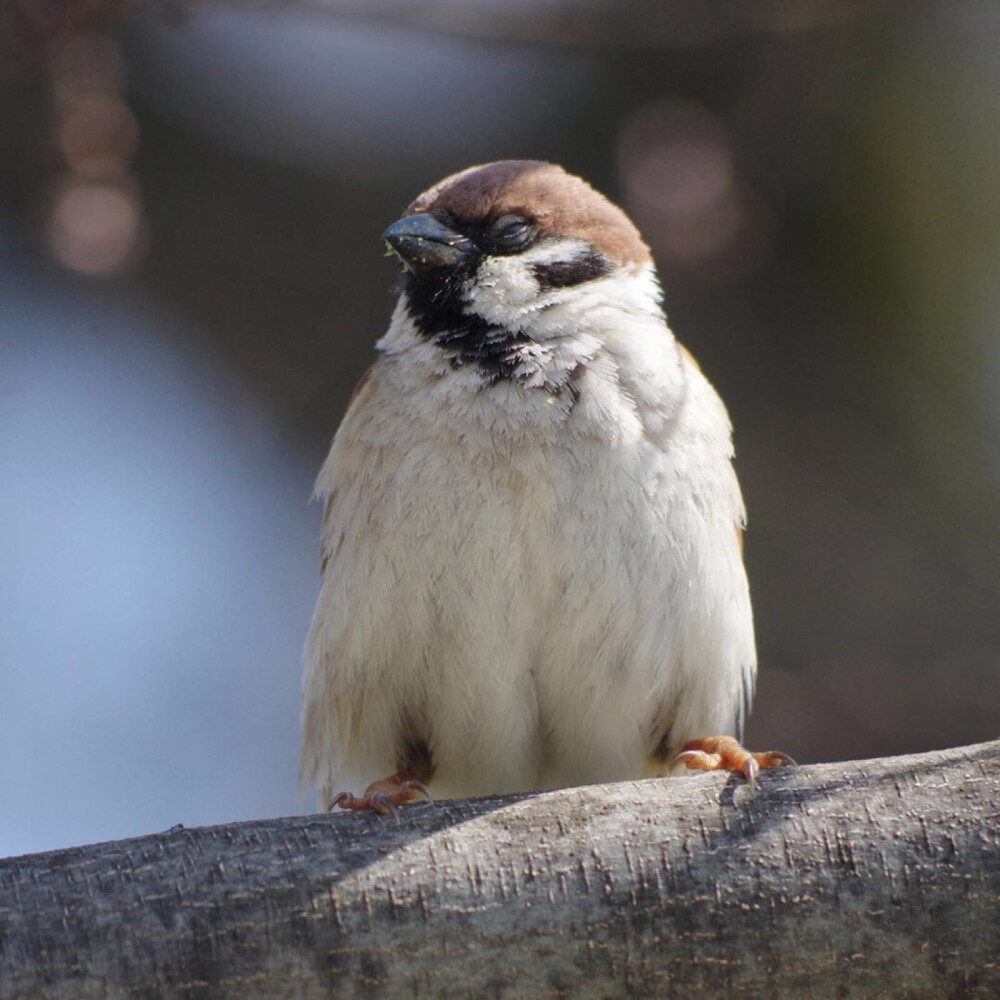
x: 873, y: 878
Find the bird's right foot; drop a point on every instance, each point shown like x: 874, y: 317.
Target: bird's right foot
x: 384, y: 795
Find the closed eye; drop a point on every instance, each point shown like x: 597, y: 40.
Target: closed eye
x: 511, y: 233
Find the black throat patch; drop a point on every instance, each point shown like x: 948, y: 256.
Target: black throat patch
x: 436, y: 307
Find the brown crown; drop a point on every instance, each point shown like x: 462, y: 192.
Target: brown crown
x: 560, y: 203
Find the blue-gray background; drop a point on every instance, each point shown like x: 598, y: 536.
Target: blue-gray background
x: 191, y: 281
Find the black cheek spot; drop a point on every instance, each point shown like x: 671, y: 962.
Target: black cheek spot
x: 565, y: 273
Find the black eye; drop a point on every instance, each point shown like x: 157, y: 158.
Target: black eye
x: 512, y: 232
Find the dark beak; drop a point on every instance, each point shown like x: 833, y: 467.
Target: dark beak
x: 421, y: 243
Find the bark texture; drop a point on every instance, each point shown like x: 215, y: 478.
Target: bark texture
x: 865, y: 879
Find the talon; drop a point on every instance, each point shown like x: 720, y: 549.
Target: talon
x: 383, y: 805
x: 699, y: 760
x: 419, y: 786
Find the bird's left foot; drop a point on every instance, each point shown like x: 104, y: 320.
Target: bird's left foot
x: 724, y: 753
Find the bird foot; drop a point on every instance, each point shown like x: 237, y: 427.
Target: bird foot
x: 724, y: 753
x: 383, y: 796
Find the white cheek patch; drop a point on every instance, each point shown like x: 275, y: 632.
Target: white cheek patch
x: 505, y: 289
x: 600, y: 306
x: 506, y: 293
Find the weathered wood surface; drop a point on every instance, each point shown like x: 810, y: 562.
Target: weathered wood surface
x: 867, y: 879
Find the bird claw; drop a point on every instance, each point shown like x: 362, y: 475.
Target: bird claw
x: 382, y: 796
x: 724, y: 753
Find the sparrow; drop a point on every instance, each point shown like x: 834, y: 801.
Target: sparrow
x: 532, y: 570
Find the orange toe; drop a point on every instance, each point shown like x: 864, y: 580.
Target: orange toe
x: 724, y: 753
x: 383, y: 796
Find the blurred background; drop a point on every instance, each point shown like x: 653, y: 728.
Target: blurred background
x: 191, y: 281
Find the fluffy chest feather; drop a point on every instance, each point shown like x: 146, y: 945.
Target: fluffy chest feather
x: 516, y: 577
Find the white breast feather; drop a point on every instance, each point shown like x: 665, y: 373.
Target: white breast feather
x: 536, y: 584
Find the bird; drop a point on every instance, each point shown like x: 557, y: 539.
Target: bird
x: 532, y: 572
